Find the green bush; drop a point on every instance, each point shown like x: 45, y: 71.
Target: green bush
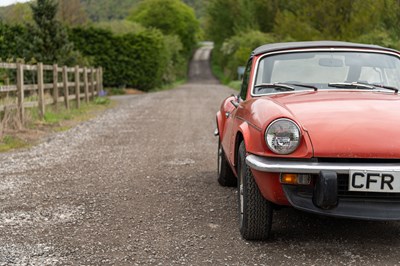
x: 120, y: 26
x: 12, y: 41
x: 176, y: 67
x: 172, y: 17
x: 137, y: 60
x: 236, y: 50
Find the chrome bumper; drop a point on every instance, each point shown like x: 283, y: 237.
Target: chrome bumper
x: 323, y: 197
x: 264, y: 164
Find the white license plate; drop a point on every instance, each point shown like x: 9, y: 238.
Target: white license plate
x: 374, y: 181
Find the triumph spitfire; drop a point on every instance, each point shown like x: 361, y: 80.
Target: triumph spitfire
x: 316, y: 126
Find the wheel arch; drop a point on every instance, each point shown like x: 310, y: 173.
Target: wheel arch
x: 239, y: 139
x: 219, y: 122
x: 250, y: 136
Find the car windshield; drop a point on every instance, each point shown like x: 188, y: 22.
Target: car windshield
x: 327, y: 70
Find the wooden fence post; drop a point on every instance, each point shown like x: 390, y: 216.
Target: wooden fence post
x: 98, y: 87
x: 40, y: 90
x: 92, y: 83
x: 101, y: 78
x: 20, y: 92
x: 86, y: 84
x: 77, y: 87
x: 66, y: 90
x: 55, y: 85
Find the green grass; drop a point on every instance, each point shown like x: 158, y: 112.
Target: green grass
x: 55, y: 116
x: 10, y: 142
x: 55, y: 120
x: 102, y: 101
x: 235, y: 84
x: 219, y: 74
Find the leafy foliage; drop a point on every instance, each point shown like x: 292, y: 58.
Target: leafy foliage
x: 105, y: 10
x: 138, y: 60
x: 148, y: 51
x: 16, y: 14
x: 120, y: 26
x: 50, y: 42
x: 172, y: 17
x: 366, y: 21
x: 12, y: 44
x: 236, y: 50
x: 93, y: 10
x: 71, y: 12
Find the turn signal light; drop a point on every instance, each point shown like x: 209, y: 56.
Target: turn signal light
x: 296, y: 179
x: 289, y: 179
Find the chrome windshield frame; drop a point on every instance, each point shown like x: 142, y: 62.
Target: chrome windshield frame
x: 332, y: 49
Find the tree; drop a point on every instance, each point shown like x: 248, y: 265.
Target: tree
x: 221, y: 15
x: 171, y: 17
x: 237, y: 49
x: 120, y: 27
x: 50, y: 42
x: 18, y: 14
x: 71, y: 12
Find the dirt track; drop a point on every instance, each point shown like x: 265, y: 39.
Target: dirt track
x: 137, y: 186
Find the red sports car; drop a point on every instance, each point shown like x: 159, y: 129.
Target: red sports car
x: 316, y: 126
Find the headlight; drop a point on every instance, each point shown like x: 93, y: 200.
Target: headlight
x: 283, y: 136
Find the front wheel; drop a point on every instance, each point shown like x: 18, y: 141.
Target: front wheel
x: 255, y: 212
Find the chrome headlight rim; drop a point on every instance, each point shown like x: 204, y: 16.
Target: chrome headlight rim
x: 294, y: 148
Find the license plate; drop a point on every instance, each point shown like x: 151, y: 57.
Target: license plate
x: 374, y: 181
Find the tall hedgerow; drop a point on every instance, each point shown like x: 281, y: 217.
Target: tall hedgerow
x: 136, y: 60
x: 12, y: 41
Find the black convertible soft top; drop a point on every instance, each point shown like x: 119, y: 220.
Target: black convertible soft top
x: 273, y: 47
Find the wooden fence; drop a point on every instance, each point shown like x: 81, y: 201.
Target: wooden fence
x: 76, y: 83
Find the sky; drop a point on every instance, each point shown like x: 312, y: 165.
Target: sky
x: 10, y: 2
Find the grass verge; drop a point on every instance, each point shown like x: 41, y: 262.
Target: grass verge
x: 219, y: 74
x: 55, y: 120
x: 12, y: 142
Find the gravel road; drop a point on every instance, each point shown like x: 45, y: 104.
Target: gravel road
x: 137, y: 186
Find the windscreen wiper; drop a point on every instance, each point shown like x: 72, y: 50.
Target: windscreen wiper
x: 354, y: 85
x: 361, y: 85
x: 303, y: 85
x: 276, y: 86
x: 396, y: 90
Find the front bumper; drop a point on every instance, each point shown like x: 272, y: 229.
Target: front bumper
x: 308, y: 167
x: 324, y: 197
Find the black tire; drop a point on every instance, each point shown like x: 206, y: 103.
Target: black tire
x: 255, y: 212
x: 226, y: 178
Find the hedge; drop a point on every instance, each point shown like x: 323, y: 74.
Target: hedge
x: 135, y: 60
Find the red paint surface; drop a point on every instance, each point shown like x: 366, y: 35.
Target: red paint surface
x: 337, y: 123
